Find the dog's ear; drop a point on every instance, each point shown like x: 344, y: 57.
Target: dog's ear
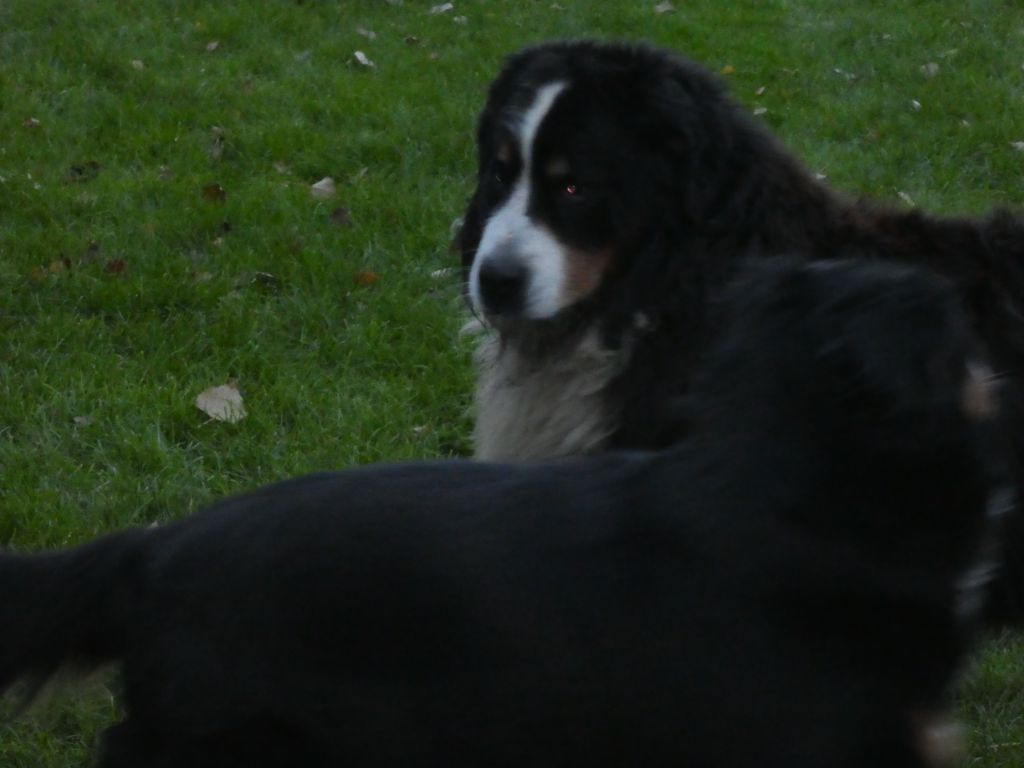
x: 730, y: 171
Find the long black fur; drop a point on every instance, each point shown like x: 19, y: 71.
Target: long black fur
x: 669, y: 159
x: 779, y: 590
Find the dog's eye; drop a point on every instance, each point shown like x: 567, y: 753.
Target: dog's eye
x: 571, y: 189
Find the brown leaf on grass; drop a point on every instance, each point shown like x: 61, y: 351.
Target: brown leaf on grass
x: 323, y: 189
x: 214, y: 193
x: 81, y: 172
x: 216, y: 148
x: 341, y: 217
x: 366, y: 277
x: 222, y: 403
x: 728, y: 69
x: 138, y: 64
x: 57, y: 266
x: 363, y: 60
x: 31, y: 122
x: 92, y: 250
x: 264, y: 280
x: 114, y: 267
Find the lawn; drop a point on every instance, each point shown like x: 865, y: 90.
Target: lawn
x: 158, y: 235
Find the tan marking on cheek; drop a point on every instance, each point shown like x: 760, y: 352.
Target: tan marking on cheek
x: 585, y: 272
x: 979, y: 398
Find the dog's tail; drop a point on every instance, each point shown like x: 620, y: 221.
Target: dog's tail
x: 69, y: 607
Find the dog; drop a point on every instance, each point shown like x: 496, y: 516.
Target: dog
x: 790, y: 586
x: 599, y: 168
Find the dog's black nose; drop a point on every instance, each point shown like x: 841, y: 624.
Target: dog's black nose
x: 503, y: 284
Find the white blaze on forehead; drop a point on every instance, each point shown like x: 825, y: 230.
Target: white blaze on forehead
x: 509, y: 227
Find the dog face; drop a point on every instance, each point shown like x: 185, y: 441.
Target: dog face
x: 548, y: 222
x: 546, y: 243
x: 587, y: 154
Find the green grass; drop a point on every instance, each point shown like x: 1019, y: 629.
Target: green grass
x: 99, y: 368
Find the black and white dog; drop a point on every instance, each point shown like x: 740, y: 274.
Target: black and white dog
x: 786, y: 588
x: 599, y: 167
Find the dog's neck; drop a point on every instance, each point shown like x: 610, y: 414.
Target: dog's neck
x: 542, y: 395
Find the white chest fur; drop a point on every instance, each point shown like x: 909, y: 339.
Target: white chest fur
x: 526, y: 409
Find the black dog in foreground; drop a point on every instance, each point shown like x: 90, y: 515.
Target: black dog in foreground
x: 599, y: 167
x: 787, y: 588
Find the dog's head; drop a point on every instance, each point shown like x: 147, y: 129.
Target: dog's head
x: 588, y: 153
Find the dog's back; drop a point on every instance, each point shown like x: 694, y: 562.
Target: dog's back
x: 780, y: 591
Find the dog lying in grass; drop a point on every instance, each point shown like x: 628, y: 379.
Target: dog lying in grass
x: 599, y: 168
x: 786, y: 588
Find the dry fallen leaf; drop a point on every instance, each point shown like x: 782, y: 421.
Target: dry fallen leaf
x: 213, y: 45
x: 442, y: 8
x: 214, y: 193
x: 114, y: 267
x: 341, y: 217
x: 905, y: 197
x: 31, y: 122
x: 1018, y: 145
x: 760, y: 110
x: 363, y: 60
x: 223, y: 403
x: 929, y: 70
x: 369, y: 34
x: 760, y: 91
x: 728, y: 69
x: 366, y: 277
x: 60, y: 265
x: 86, y: 171
x: 92, y: 250
x: 323, y: 189
x: 664, y: 8
x: 137, y: 64
x: 216, y: 148
x: 915, y: 105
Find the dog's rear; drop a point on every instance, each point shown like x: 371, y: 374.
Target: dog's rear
x: 66, y: 607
